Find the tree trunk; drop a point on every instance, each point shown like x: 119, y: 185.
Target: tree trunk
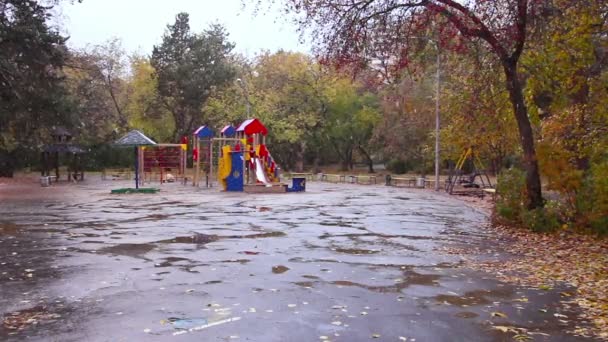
x: 7, y: 164
x: 533, y: 187
x: 300, y: 157
x: 316, y: 163
x: 368, y: 159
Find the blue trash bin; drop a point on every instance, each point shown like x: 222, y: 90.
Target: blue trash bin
x: 298, y: 185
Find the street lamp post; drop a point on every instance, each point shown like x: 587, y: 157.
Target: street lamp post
x: 437, y: 108
x: 437, y: 118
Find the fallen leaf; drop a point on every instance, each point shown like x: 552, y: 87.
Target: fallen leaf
x: 498, y: 314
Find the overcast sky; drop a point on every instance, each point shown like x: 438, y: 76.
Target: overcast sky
x: 141, y: 23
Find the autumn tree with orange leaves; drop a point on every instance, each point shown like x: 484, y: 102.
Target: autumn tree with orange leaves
x: 357, y: 32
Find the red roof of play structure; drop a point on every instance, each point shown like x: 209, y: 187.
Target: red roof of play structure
x: 252, y: 126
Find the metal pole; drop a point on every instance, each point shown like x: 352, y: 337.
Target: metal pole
x: 438, y: 80
x: 136, y: 167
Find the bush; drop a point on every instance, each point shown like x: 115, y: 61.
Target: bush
x: 511, y: 194
x: 592, y: 200
x: 541, y: 220
x: 398, y: 166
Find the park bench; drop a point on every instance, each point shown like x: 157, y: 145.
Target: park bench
x: 406, y: 181
x: 308, y: 176
x: 114, y: 174
x: 491, y: 192
x: 327, y: 178
x: 358, y: 179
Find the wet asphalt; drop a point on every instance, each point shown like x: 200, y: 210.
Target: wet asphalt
x: 337, y: 263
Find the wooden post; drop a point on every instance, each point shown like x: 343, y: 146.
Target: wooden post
x: 210, y: 162
x: 142, y: 169
x: 136, y: 167
x: 198, y: 160
x: 56, y: 166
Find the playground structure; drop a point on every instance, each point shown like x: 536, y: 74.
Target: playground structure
x: 62, y: 145
x: 164, y: 163
x: 243, y: 161
x: 459, y: 183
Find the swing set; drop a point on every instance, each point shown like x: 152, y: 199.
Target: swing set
x: 462, y: 183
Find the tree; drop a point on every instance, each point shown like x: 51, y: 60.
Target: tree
x: 288, y: 96
x: 31, y: 92
x: 351, y: 117
x: 144, y: 109
x: 358, y: 32
x: 476, y: 109
x: 99, y: 89
x: 190, y: 68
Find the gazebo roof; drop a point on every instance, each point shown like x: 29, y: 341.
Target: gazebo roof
x: 228, y: 131
x: 203, y: 132
x: 61, y: 131
x: 252, y: 126
x: 134, y: 138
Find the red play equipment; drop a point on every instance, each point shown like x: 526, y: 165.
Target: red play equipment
x: 163, y: 162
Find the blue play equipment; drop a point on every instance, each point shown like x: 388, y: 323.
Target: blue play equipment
x: 298, y: 185
x: 234, y: 181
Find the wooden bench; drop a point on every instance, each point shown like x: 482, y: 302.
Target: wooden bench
x: 430, y: 183
x: 408, y: 181
x: 371, y: 179
x: 308, y: 176
x: 491, y: 192
x: 326, y: 177
x: 114, y: 174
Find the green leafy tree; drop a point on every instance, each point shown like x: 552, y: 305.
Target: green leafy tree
x: 351, y: 117
x: 190, y: 67
x: 144, y: 109
x: 99, y: 88
x: 288, y: 96
x: 32, y: 97
x: 360, y: 32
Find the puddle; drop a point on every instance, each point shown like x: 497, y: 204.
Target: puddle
x: 477, y: 297
x: 128, y: 249
x: 200, y: 239
x: 466, y: 314
x: 169, y: 261
x: 355, y: 251
x: 279, y: 269
x: 260, y: 236
x: 304, y: 283
x: 210, y: 282
x: 307, y: 276
x: 412, y: 278
x: 240, y: 261
x: 20, y: 320
x: 9, y: 228
x: 468, y: 299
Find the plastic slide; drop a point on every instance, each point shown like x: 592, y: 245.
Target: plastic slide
x: 260, y: 174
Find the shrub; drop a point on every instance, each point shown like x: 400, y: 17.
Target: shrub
x: 542, y: 220
x: 592, y: 200
x: 511, y: 191
x: 398, y: 166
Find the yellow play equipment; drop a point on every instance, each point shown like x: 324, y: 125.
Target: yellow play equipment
x: 224, y: 165
x: 466, y: 184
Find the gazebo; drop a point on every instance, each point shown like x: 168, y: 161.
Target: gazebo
x: 134, y: 139
x: 62, y: 145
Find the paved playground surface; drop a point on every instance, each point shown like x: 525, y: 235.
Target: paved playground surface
x: 339, y: 262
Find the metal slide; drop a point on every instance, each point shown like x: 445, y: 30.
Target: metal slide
x: 260, y: 173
